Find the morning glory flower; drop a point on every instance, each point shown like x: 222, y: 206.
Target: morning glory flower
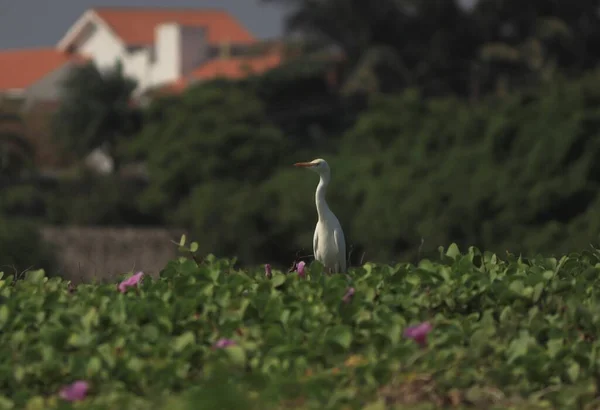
x: 130, y: 282
x: 221, y: 343
x: 75, y: 391
x: 418, y: 333
x: 300, y: 268
x: 348, y: 296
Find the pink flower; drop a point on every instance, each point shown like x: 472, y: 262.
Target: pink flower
x: 300, y: 269
x: 418, y: 333
x: 268, y: 273
x: 130, y: 282
x: 74, y: 392
x: 221, y: 343
x: 348, y: 295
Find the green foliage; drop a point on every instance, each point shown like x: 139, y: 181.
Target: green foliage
x: 22, y: 248
x: 301, y: 101
x: 214, y: 133
x: 87, y: 199
x: 514, y: 333
x: 208, y: 155
x: 449, y: 47
x: 17, y: 154
x: 96, y: 110
x: 518, y: 173
x: 95, y: 200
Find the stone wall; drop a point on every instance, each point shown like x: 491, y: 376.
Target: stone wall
x: 102, y: 253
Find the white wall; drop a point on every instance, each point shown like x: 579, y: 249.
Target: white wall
x: 138, y: 66
x: 176, y: 52
x: 179, y: 50
x: 167, y: 66
x: 101, y: 45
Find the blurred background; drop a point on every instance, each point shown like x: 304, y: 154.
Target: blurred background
x: 476, y: 122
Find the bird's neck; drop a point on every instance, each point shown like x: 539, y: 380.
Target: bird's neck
x: 322, y: 208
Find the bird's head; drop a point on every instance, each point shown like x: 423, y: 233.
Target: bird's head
x: 318, y: 165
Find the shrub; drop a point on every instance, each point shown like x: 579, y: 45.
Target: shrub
x: 210, y: 336
x: 23, y: 248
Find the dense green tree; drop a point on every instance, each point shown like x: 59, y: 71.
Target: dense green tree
x: 22, y: 248
x: 517, y: 173
x: 443, y: 47
x: 391, y: 44
x: 301, y: 99
x: 16, y: 152
x: 207, y: 156
x: 96, y: 110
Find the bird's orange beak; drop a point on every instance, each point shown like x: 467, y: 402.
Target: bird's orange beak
x: 303, y: 164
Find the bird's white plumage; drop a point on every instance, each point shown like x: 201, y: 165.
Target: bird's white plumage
x: 329, y: 245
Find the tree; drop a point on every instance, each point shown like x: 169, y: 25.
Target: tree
x: 96, y: 110
x: 443, y: 47
x: 16, y: 152
x: 207, y: 155
x: 390, y: 44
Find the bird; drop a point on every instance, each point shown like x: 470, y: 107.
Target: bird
x: 329, y: 244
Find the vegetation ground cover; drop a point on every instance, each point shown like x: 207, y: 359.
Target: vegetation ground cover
x: 506, y: 332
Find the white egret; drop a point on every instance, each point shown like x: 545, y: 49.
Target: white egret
x: 329, y: 245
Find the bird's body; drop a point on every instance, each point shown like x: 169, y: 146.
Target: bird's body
x: 329, y: 245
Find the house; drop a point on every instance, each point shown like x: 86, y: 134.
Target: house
x: 161, y: 48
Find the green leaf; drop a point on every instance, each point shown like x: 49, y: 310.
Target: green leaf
x: 35, y: 276
x: 378, y: 405
x: 93, y: 367
x: 517, y: 286
x: 183, y: 341
x: 182, y: 240
x: 573, y: 372
x: 315, y: 269
x: 236, y: 354
x: 135, y: 364
x: 151, y: 333
x: 278, y: 279
x: 80, y: 339
x: 193, y: 247
x: 537, y: 291
x: 554, y: 346
x: 4, y: 315
x: 6, y: 403
x: 36, y: 403
x: 90, y: 318
x: 341, y: 335
x: 519, y: 347
x: 19, y: 373
x: 453, y: 251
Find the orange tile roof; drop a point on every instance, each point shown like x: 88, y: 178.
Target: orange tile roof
x: 135, y: 26
x: 21, y: 68
x: 232, y: 68
x: 236, y: 67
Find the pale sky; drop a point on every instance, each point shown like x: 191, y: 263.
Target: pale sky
x: 41, y: 23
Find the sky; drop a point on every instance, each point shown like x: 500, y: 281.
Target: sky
x: 41, y: 23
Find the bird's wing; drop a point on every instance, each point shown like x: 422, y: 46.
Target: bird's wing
x: 338, y: 237
x: 315, y: 242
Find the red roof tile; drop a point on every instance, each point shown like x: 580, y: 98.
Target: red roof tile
x: 21, y: 68
x: 135, y: 26
x: 237, y: 67
x: 231, y: 68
